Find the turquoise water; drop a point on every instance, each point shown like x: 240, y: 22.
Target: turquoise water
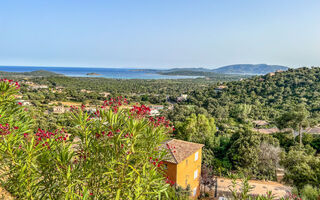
x: 116, y: 73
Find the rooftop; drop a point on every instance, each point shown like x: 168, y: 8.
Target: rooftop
x: 179, y: 150
x: 260, y: 122
x: 220, y: 87
x: 271, y: 130
x: 267, y: 130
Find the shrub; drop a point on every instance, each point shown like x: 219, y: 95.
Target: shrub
x: 310, y: 193
x: 113, y: 154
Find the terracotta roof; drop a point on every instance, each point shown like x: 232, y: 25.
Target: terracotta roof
x: 179, y: 150
x: 220, y: 87
x: 267, y: 130
x: 271, y: 130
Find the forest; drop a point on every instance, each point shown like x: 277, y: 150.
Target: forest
x: 223, y: 120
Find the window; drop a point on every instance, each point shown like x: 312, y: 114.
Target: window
x: 165, y: 166
x: 195, y: 175
x: 196, y: 156
x: 194, y: 191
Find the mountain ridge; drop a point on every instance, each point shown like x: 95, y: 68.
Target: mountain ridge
x: 253, y: 69
x: 236, y: 69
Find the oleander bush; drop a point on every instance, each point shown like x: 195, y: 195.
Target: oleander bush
x: 112, y: 154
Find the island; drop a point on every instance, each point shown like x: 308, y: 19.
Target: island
x: 93, y: 74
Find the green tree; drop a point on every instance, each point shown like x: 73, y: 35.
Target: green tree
x: 301, y: 168
x: 200, y: 129
x: 310, y: 193
x: 197, y: 128
x: 241, y: 112
x: 295, y: 119
x: 244, y: 151
x: 269, y: 157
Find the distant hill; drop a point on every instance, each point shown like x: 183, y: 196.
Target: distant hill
x: 259, y: 69
x: 207, y: 74
x: 39, y: 73
x: 240, y: 69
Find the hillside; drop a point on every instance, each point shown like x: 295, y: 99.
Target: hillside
x: 208, y: 74
x: 266, y: 96
x: 39, y: 73
x: 258, y: 69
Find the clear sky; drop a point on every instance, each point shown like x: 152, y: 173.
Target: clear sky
x: 159, y: 33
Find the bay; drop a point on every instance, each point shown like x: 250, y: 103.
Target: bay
x: 115, y: 73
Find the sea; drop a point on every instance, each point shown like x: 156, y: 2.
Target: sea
x: 115, y: 73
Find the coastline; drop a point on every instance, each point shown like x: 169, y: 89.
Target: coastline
x: 113, y: 73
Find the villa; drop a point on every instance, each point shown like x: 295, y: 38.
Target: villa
x: 183, y: 164
x: 183, y: 97
x: 37, y: 87
x: 59, y: 109
x: 156, y: 107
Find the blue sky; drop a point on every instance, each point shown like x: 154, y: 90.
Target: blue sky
x: 159, y: 34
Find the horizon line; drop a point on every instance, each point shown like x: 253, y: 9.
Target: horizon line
x: 145, y: 67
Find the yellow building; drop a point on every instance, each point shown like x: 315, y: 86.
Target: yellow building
x: 183, y: 164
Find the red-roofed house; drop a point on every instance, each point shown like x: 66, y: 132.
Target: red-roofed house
x: 183, y: 164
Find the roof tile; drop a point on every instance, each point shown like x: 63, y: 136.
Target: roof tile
x: 179, y: 150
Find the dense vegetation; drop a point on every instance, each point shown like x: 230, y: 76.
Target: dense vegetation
x: 217, y: 114
x: 287, y: 100
x: 144, y: 91
x: 113, y: 154
x: 266, y: 97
